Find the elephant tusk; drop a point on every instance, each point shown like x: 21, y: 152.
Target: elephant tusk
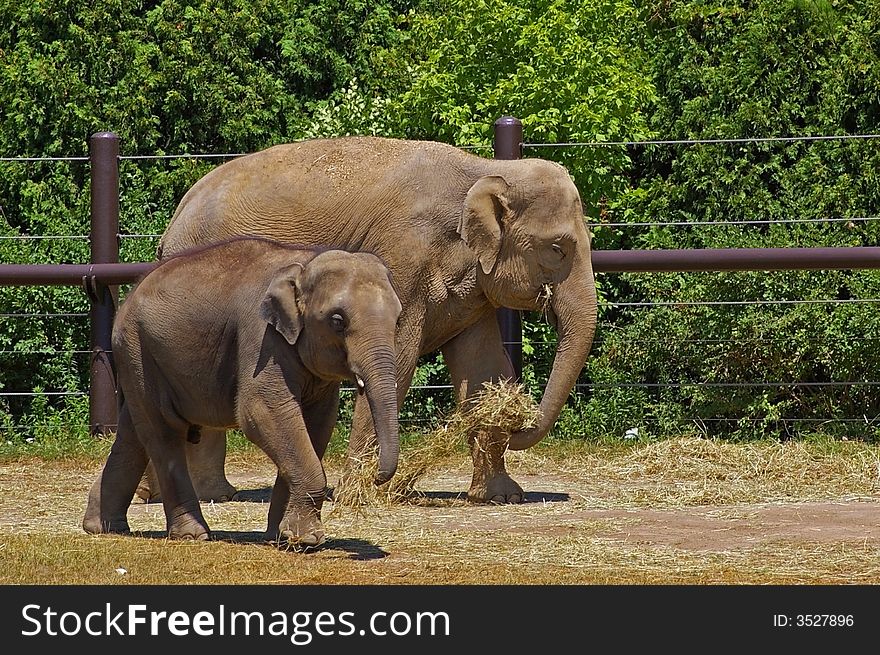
x: 360, y: 382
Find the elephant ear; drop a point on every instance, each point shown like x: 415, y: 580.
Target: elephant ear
x: 279, y: 307
x: 481, y: 218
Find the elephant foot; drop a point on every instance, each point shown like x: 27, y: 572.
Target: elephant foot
x: 298, y: 531
x: 190, y: 536
x: 146, y: 493
x: 106, y: 511
x: 218, y: 491
x: 491, y: 483
x: 214, y: 489
x: 96, y: 525
x: 189, y: 529
x: 499, y: 489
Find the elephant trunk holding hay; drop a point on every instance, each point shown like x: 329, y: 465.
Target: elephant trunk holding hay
x: 462, y: 236
x: 254, y: 334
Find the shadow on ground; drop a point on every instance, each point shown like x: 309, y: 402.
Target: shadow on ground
x: 530, y: 496
x: 264, y: 495
x: 359, y: 549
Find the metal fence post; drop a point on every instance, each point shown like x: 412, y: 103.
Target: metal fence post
x: 104, y: 240
x: 508, y: 145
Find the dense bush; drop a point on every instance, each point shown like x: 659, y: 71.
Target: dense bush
x: 771, y: 68
x: 232, y: 76
x: 571, y: 71
x: 169, y: 77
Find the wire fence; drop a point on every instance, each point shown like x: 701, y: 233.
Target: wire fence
x: 694, y: 142
x: 421, y: 392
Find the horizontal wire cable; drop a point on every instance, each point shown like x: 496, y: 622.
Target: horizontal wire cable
x: 786, y: 221
x: 71, y: 237
x: 714, y: 303
x: 791, y: 221
x: 689, y: 142
x: 734, y: 385
x: 41, y: 159
x: 45, y: 352
x: 580, y: 385
x: 25, y: 315
x: 782, y: 419
x: 22, y: 426
x: 564, y: 144
x: 548, y: 344
x: 220, y: 155
x: 553, y: 344
x: 42, y: 393
x: 49, y: 237
x: 779, y: 221
x: 671, y: 341
x: 642, y: 420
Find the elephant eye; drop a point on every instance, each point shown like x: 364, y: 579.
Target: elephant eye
x: 557, y: 248
x: 337, y: 322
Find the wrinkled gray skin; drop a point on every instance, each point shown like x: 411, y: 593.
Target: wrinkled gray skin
x: 461, y: 234
x: 251, y: 334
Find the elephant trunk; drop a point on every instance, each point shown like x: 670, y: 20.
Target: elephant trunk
x: 574, y: 306
x: 379, y: 374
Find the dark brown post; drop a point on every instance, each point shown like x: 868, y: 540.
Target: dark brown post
x: 508, y: 145
x: 104, y: 158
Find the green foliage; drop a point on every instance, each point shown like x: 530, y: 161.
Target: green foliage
x: 169, y: 77
x: 232, y: 76
x: 771, y: 68
x: 350, y: 111
x: 571, y: 71
x: 425, y: 407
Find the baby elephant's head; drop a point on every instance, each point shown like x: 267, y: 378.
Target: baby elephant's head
x: 340, y: 311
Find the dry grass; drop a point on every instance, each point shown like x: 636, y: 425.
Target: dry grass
x: 586, y: 503
x: 388, y: 552
x: 498, y: 409
x: 691, y: 471
x: 544, y: 298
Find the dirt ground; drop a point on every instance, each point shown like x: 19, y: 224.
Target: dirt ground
x: 713, y: 528
x: 574, y: 523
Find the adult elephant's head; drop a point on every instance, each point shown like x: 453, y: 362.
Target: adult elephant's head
x: 340, y: 311
x: 526, y: 226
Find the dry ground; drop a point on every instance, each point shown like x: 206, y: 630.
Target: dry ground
x: 685, y: 510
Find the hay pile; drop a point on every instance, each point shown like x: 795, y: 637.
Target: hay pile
x: 486, y: 424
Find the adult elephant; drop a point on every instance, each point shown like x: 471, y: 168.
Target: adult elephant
x: 462, y: 235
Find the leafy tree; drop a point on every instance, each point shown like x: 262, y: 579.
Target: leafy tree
x: 571, y: 71
x: 232, y: 76
x: 169, y: 77
x: 733, y: 69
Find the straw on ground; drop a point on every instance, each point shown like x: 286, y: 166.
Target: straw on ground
x: 485, y: 424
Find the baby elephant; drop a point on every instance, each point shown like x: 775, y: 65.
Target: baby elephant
x: 254, y: 334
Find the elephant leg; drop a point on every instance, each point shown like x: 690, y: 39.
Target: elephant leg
x: 300, y: 485
x: 362, y: 439
x: 164, y: 443
x: 206, y: 462
x: 320, y: 419
x: 475, y: 356
x: 111, y: 494
x: 148, y: 487
x: 277, y: 508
